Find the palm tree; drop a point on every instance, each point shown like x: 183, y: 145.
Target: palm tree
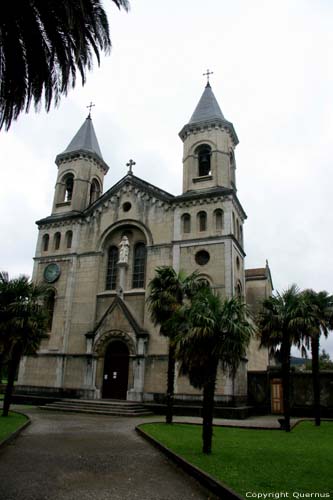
x: 217, y: 332
x: 168, y: 290
x: 319, y: 313
x: 23, y: 323
x: 43, y: 43
x: 280, y: 325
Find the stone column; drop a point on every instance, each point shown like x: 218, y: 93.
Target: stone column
x: 122, y: 266
x: 136, y: 394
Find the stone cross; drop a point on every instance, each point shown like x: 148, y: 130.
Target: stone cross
x: 130, y: 165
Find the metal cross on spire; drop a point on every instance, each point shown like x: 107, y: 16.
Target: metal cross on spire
x: 130, y: 165
x: 207, y: 74
x: 91, y: 105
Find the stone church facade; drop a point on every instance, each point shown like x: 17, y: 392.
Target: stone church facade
x: 98, y: 251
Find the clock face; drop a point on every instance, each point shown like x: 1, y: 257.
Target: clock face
x: 51, y: 272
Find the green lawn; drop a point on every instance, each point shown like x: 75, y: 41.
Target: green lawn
x: 10, y: 424
x: 259, y: 461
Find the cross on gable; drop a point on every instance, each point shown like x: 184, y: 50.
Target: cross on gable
x: 130, y: 165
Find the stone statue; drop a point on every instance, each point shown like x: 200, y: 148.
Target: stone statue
x: 123, y: 250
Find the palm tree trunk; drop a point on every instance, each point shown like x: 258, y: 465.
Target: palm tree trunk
x: 170, y: 383
x: 285, y: 348
x: 315, y: 377
x: 208, y: 411
x: 13, y: 365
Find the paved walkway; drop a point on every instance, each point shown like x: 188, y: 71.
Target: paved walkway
x: 71, y: 456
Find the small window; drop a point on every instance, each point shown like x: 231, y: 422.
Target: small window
x: 233, y: 224
x: 56, y: 241
x: 111, y: 273
x: 202, y: 221
x: 69, y: 238
x: 49, y: 306
x: 239, y: 292
x: 45, y: 242
x: 219, y: 219
x: 237, y: 226
x: 127, y: 206
x: 232, y: 167
x: 95, y: 191
x: 204, y: 156
x: 241, y: 233
x: 139, y: 264
x: 186, y: 223
x: 69, y: 185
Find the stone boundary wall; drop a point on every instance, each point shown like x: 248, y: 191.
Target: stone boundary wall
x: 301, y: 392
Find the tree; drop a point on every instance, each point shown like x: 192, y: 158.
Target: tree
x: 325, y: 362
x: 23, y: 323
x: 319, y: 314
x: 217, y: 332
x: 168, y: 290
x: 43, y: 43
x: 281, y: 323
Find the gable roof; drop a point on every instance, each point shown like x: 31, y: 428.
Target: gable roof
x: 118, y: 302
x: 128, y: 179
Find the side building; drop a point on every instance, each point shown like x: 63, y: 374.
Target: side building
x: 98, y: 251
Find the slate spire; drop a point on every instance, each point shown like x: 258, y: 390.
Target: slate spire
x: 207, y: 108
x: 207, y: 114
x: 84, y: 143
x: 85, y: 139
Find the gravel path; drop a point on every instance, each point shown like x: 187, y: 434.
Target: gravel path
x: 70, y: 456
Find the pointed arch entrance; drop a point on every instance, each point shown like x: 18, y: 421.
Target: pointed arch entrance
x: 115, y: 375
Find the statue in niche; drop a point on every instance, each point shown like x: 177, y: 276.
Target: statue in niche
x: 123, y: 250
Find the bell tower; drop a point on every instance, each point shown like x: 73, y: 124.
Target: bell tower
x: 81, y: 171
x: 209, y: 143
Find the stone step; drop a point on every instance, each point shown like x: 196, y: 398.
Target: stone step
x: 117, y: 403
x: 119, y: 408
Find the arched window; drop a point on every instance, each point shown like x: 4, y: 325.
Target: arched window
x: 233, y: 224
x: 69, y: 238
x: 186, y: 223
x: 95, y: 191
x: 219, y: 219
x: 139, y: 264
x: 45, y: 242
x: 204, y: 155
x: 239, y: 291
x: 111, y: 273
x: 237, y: 230
x: 69, y: 185
x: 49, y: 306
x: 241, y: 233
x: 202, y: 221
x: 56, y: 241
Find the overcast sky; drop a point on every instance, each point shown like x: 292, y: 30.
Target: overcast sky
x: 273, y: 79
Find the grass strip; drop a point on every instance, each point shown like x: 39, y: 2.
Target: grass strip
x: 252, y: 462
x: 10, y: 424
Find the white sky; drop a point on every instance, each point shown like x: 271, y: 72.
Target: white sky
x: 273, y: 79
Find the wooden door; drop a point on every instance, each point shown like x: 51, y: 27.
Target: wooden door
x: 115, y: 378
x: 276, y: 396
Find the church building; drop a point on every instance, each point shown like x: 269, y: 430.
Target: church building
x: 99, y: 250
